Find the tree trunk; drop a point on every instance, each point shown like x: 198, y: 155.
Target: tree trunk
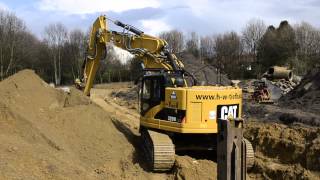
x: 1, y: 64
x: 100, y: 75
x: 109, y: 76
x: 11, y: 59
x: 73, y: 74
x: 55, y: 70
x: 119, y: 76
x: 59, y: 68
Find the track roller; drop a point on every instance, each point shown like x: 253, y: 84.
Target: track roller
x: 159, y: 149
x: 249, y: 153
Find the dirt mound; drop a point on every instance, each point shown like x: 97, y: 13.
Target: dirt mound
x: 189, y: 168
x: 203, y: 72
x: 306, y: 95
x: 46, y: 133
x: 284, y: 152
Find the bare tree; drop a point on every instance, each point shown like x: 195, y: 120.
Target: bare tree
x: 228, y: 50
x: 207, y: 45
x: 252, y: 34
x: 56, y: 36
x: 308, y: 52
x: 77, y: 47
x: 175, y: 39
x: 192, y: 44
x: 12, y: 33
x: 307, y: 37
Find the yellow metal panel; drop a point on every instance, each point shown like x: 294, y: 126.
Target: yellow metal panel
x: 174, y: 127
x: 154, y: 110
x: 195, y: 112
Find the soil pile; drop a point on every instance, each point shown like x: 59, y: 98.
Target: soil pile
x: 284, y: 152
x: 306, y: 95
x: 188, y: 168
x: 48, y: 134
x: 206, y: 74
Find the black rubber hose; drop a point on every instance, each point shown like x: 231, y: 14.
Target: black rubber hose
x: 175, y: 67
x: 129, y: 27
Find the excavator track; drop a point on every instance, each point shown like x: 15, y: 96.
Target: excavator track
x: 159, y: 149
x: 249, y: 153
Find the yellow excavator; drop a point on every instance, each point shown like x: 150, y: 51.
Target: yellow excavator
x: 175, y: 113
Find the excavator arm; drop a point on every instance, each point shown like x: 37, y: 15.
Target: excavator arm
x: 151, y: 51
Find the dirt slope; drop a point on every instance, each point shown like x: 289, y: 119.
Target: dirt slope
x: 306, y: 95
x: 285, y: 151
x: 46, y: 133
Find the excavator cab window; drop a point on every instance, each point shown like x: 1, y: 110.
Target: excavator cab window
x: 146, y: 89
x: 152, y: 92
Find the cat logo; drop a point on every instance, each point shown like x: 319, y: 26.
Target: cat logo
x: 173, y: 95
x: 225, y: 111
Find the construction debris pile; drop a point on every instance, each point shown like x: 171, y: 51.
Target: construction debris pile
x: 306, y: 95
x: 285, y: 85
x: 283, y: 78
x: 275, y: 83
x: 300, y: 105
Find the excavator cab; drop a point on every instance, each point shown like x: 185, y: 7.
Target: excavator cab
x: 153, y: 89
x: 152, y: 92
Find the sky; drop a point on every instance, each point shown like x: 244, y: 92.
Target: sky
x: 205, y: 17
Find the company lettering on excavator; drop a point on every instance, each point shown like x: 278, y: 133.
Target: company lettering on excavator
x: 175, y: 113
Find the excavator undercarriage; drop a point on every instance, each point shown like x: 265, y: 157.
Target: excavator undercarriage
x: 159, y: 148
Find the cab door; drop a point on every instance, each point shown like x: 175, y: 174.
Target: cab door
x: 152, y: 93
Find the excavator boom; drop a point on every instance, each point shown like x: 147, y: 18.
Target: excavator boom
x: 151, y: 51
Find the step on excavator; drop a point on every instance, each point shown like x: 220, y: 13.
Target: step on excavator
x: 175, y: 113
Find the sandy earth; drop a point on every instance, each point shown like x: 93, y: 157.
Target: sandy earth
x: 49, y: 134
x: 46, y: 133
